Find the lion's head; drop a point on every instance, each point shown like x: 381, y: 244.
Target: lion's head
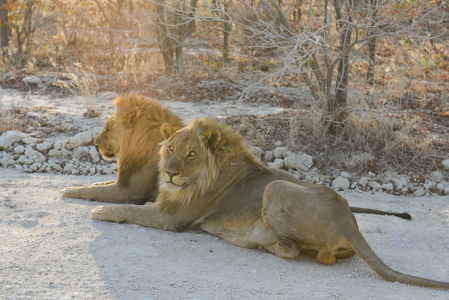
x: 132, y: 133
x: 193, y: 157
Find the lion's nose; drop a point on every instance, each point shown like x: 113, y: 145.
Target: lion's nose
x: 170, y: 174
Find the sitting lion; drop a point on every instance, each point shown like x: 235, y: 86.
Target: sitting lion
x: 210, y: 179
x: 132, y: 133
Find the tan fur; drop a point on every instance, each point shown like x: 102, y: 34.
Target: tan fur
x: 132, y: 133
x: 211, y: 180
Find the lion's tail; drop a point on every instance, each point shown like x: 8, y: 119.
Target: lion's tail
x: 361, y: 247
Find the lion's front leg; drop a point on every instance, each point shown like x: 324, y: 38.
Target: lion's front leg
x: 146, y: 215
x: 109, y: 192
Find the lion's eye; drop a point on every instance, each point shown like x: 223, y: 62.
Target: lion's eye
x: 171, y: 148
x: 192, y: 154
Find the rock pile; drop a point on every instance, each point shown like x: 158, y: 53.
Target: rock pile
x: 78, y: 156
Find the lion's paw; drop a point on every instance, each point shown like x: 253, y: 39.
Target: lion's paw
x: 72, y: 192
x: 100, y: 213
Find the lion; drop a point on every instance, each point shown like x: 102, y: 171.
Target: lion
x: 210, y: 180
x: 132, y: 133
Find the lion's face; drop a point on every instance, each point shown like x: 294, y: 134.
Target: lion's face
x: 107, y: 141
x: 186, y: 158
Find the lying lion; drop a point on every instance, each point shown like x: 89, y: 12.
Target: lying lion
x: 132, y: 133
x: 210, y: 179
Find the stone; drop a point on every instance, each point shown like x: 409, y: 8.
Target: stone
x: 400, y: 182
x: 363, y: 181
x: 94, y: 154
x: 278, y: 163
x: 445, y: 164
x: 30, y: 140
x: 257, y: 151
x: 19, y: 149
x: 81, y: 152
x: 279, y: 152
x: 300, y: 161
x: 340, y: 183
x: 81, y: 139
x: 419, y: 192
x: 268, y: 156
x: 10, y: 137
x: 374, y: 185
x: 43, y: 146
x: 387, y: 187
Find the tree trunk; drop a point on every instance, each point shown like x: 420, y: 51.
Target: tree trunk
x: 172, y: 33
x: 336, y: 116
x: 5, y: 31
x: 374, y: 9
x: 226, y: 26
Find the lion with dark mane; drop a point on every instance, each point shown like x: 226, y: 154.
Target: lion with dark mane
x: 132, y: 134
x: 209, y: 179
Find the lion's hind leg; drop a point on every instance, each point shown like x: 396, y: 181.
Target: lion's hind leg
x: 307, y: 218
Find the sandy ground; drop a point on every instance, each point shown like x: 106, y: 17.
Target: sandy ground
x: 50, y: 248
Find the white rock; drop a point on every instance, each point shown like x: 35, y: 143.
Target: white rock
x: 429, y: 185
x: 440, y: 187
x: 54, y: 153
x: 436, y: 176
x: 257, y: 151
x: 446, y: 190
x: 65, y: 152
x: 81, y: 152
x: 81, y: 139
x: 68, y: 168
x: 340, y: 183
x: 30, y: 152
x: 43, y: 146
x: 279, y: 152
x: 32, y: 80
x: 278, y: 163
x: 108, y: 171
x: 363, y: 181
x: 374, y: 185
x: 30, y: 140
x: 400, y: 182
x: 25, y: 160
x: 268, y: 156
x: 387, y: 186
x: 19, y: 167
x: 419, y: 192
x: 300, y: 161
x: 344, y: 175
x: 444, y: 162
x: 10, y: 137
x: 60, y: 144
x: 278, y: 144
x: 19, y: 149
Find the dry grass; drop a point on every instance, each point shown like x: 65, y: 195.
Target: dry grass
x: 6, y: 120
x: 81, y: 82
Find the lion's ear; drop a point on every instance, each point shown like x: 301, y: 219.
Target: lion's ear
x: 212, y: 137
x: 132, y: 115
x: 167, y: 130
